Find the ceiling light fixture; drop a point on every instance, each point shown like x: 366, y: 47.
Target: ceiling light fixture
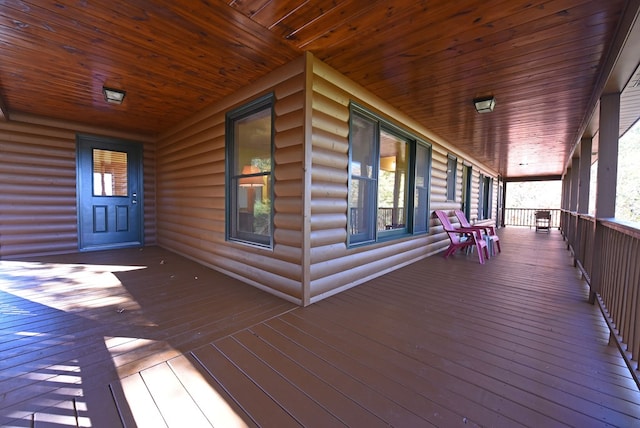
x: 484, y: 104
x: 113, y: 96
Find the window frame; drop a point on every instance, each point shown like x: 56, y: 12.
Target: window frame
x: 467, y: 183
x: 452, y: 171
x: 411, y: 227
x: 485, y: 197
x: 232, y: 177
x: 423, y: 228
x: 408, y: 185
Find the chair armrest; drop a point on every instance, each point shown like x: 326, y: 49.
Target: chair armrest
x: 473, y: 230
x: 488, y: 229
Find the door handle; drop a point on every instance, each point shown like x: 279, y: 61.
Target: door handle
x: 134, y: 197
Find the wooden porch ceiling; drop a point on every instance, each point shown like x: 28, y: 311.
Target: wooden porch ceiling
x: 157, y: 339
x: 545, y: 62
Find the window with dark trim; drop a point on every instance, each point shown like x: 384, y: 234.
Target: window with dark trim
x: 485, y: 197
x: 452, y: 167
x: 389, y: 172
x: 467, y: 179
x: 249, y: 145
x: 422, y: 184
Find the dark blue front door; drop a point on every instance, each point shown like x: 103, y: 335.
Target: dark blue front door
x: 109, y: 192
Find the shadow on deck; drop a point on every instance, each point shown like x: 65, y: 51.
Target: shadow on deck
x: 149, y: 338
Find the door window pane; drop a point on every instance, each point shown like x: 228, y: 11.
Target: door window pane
x: 110, y: 173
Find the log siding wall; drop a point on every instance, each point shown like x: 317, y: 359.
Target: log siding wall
x: 333, y: 266
x: 184, y: 173
x: 191, y: 188
x: 310, y: 259
x: 38, y: 213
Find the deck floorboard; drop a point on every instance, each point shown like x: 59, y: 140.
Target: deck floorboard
x: 146, y: 337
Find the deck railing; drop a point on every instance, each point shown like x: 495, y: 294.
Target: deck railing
x: 527, y: 217
x: 607, y: 252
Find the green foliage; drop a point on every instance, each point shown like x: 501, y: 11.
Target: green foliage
x: 628, y: 187
x: 534, y: 194
x: 547, y: 194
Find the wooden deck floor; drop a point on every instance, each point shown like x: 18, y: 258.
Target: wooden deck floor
x: 148, y: 338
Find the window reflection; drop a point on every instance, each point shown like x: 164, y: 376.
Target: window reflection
x: 392, y: 182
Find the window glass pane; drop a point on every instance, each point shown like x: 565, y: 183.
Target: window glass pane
x: 363, y: 179
x: 421, y: 198
x: 110, y: 173
x: 452, y: 166
x: 361, y: 205
x: 250, y: 204
x: 388, y: 189
x: 252, y: 143
x: 467, y: 177
x: 392, y: 182
x: 363, y: 141
x: 481, y: 197
x: 488, y: 204
x: 485, y: 197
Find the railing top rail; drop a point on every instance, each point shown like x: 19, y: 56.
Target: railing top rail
x: 587, y: 217
x: 626, y: 227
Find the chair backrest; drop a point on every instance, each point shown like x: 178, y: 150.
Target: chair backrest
x: 444, y: 219
x: 543, y: 215
x: 454, y: 234
x: 448, y: 227
x: 462, y: 218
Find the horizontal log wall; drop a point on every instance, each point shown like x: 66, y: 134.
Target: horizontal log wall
x: 310, y: 259
x: 191, y: 188
x: 38, y: 213
x: 333, y: 266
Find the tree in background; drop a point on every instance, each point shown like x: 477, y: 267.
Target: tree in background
x: 628, y: 181
x: 628, y: 187
x: 547, y: 194
x: 534, y: 194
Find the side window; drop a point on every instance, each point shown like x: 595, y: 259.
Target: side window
x: 389, y: 180
x: 421, y: 191
x: 393, y: 187
x: 452, y: 167
x: 467, y: 179
x: 488, y: 197
x: 364, y: 179
x: 249, y: 143
x: 485, y: 197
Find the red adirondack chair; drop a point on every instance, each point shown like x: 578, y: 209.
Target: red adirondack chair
x: 462, y: 238
x: 487, y: 230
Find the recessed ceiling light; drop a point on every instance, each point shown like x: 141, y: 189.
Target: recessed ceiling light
x: 484, y: 104
x: 113, y: 96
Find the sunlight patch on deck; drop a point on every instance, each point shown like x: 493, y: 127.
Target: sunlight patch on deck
x: 59, y: 285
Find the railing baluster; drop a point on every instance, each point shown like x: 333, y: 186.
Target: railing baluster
x: 619, y: 279
x: 526, y: 217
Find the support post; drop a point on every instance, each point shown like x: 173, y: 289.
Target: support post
x: 606, y: 182
x: 585, y: 175
x: 564, y: 203
x: 573, y: 204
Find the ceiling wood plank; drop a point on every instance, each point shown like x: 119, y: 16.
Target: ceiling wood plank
x: 542, y: 59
